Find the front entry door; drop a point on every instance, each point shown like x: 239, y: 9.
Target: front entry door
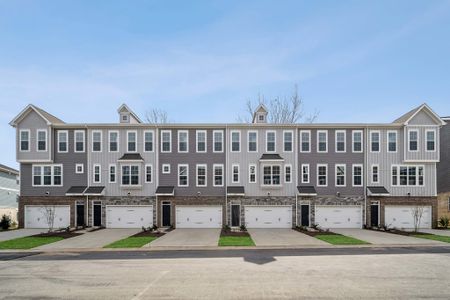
x: 304, y: 208
x: 80, y: 215
x: 235, y: 215
x: 166, y: 222
x: 97, y: 214
x: 374, y: 222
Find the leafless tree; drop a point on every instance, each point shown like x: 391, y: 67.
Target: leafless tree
x: 156, y: 116
x: 49, y: 212
x: 417, y: 213
x: 281, y: 110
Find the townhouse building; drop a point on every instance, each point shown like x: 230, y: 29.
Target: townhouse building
x: 259, y: 175
x: 443, y: 171
x: 9, y: 192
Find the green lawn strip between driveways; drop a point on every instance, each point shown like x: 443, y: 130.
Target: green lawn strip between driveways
x: 236, y: 241
x: 338, y: 239
x: 132, y: 242
x: 29, y: 242
x: 434, y: 237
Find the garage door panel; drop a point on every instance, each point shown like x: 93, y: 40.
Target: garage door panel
x: 198, y: 216
x: 129, y: 216
x: 403, y: 216
x: 35, y: 216
x: 327, y: 216
x: 268, y: 216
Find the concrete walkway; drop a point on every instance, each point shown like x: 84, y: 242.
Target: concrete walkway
x: 444, y: 232
x: 282, y: 237
x: 204, y: 237
x: 18, y: 233
x: 384, y: 238
x: 95, y: 239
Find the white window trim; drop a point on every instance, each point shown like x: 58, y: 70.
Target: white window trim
x: 275, y: 141
x: 179, y: 132
x: 378, y: 174
x: 99, y: 173
x: 145, y: 173
x: 336, y: 141
x: 187, y: 175
x: 101, y: 140
x: 353, y: 141
x: 109, y: 173
x: 76, y: 168
x: 197, y: 132
x: 396, y: 141
x: 249, y: 173
x: 353, y: 175
x: 75, y: 141
x: 139, y: 175
x: 418, y: 145
x: 426, y: 140
x: 326, y: 175
x: 407, y: 180
x: 135, y: 141
x: 214, y: 140
x: 214, y: 174
x: 57, y: 140
x: 309, y: 172
x: 271, y: 168
x: 379, y: 141
x: 109, y: 141
x: 326, y: 143
x: 231, y: 140
x: 46, y: 140
x: 166, y: 165
x: 52, y: 175
x: 309, y: 140
x: 170, y: 141
x: 292, y: 141
x: 248, y: 141
x: 336, y: 176
x: 232, y: 173
x: 206, y: 175
x: 29, y: 140
x: 291, y: 175
x: 153, y: 142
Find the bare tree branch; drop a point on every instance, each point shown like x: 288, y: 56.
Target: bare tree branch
x: 156, y: 116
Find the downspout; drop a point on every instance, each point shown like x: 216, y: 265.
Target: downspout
x: 366, y: 172
x: 296, y: 175
x: 156, y: 148
x: 225, y: 174
x: 87, y: 211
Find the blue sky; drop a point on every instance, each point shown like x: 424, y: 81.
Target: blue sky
x: 354, y: 61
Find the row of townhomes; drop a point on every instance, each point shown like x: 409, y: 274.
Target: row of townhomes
x: 260, y: 175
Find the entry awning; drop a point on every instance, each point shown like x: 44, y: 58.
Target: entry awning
x: 306, y: 190
x: 235, y: 191
x: 377, y: 191
x: 94, y: 191
x: 76, y: 191
x: 271, y: 156
x: 131, y: 157
x: 165, y: 191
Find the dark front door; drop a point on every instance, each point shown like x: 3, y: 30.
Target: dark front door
x: 97, y: 215
x: 235, y: 215
x: 374, y: 215
x: 80, y: 215
x: 305, y: 214
x: 166, y: 215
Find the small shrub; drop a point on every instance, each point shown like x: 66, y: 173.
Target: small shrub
x: 5, y: 222
x: 155, y: 227
x: 226, y: 228
x: 444, y: 222
x: 243, y: 228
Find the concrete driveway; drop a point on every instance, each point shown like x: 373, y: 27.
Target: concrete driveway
x: 282, y: 237
x: 95, y: 239
x: 444, y: 232
x: 200, y: 237
x: 18, y: 233
x: 384, y: 238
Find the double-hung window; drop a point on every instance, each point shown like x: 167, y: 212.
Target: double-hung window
x: 288, y: 141
x: 374, y: 141
x: 392, y: 141
x: 218, y: 140
x: 97, y: 174
x: 62, y: 141
x: 131, y: 141
x: 431, y: 140
x: 112, y: 173
x: 340, y: 175
x: 24, y: 136
x: 252, y: 137
x: 79, y: 141
x: 183, y: 141
x: 235, y: 141
x: 357, y: 175
x: 235, y: 173
x: 271, y: 175
x: 47, y: 175
x: 357, y: 141
x: 322, y: 175
x: 305, y: 173
x: 166, y: 141
x: 305, y: 141
x: 252, y: 173
x: 201, y: 140
x: 218, y: 175
x: 201, y: 175
x: 288, y: 173
x: 340, y: 141
x: 270, y: 141
x: 322, y: 141
x: 413, y: 140
x: 113, y: 141
x: 42, y: 140
x: 130, y: 175
x: 96, y: 141
x: 148, y: 141
x: 183, y: 175
x: 148, y: 173
x: 375, y: 174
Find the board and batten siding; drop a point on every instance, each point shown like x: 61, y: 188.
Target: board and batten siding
x: 443, y: 167
x: 192, y: 158
x: 422, y: 154
x: 32, y: 122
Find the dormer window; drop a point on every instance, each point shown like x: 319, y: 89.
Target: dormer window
x: 261, y: 117
x: 124, y: 118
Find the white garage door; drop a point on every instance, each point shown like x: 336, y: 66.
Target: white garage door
x: 198, y: 216
x: 403, y: 216
x: 338, y: 216
x: 129, y: 216
x: 268, y: 216
x: 36, y: 216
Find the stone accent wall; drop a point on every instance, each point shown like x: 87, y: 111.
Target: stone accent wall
x: 384, y: 201
x: 442, y: 205
x: 187, y: 200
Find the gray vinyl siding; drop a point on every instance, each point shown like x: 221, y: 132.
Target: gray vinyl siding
x: 32, y: 121
x: 331, y: 158
x: 422, y: 154
x: 9, y: 189
x: 245, y: 158
x: 192, y: 158
x: 105, y: 158
x: 443, y: 167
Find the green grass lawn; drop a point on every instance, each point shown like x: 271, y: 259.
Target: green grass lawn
x: 338, y: 239
x: 28, y: 242
x: 236, y: 241
x: 434, y: 237
x: 132, y: 242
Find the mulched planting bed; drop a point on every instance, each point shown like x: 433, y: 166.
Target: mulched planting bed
x: 61, y: 234
x: 401, y: 232
x: 149, y: 233
x: 314, y: 233
x: 226, y: 232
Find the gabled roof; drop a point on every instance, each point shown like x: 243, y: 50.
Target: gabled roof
x: 49, y: 118
x: 125, y: 108
x: 406, y: 118
x: 260, y: 109
x: 7, y: 169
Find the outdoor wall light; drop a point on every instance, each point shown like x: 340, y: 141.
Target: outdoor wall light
x: 129, y: 193
x: 47, y: 193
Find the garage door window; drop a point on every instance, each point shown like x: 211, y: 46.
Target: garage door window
x: 272, y: 175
